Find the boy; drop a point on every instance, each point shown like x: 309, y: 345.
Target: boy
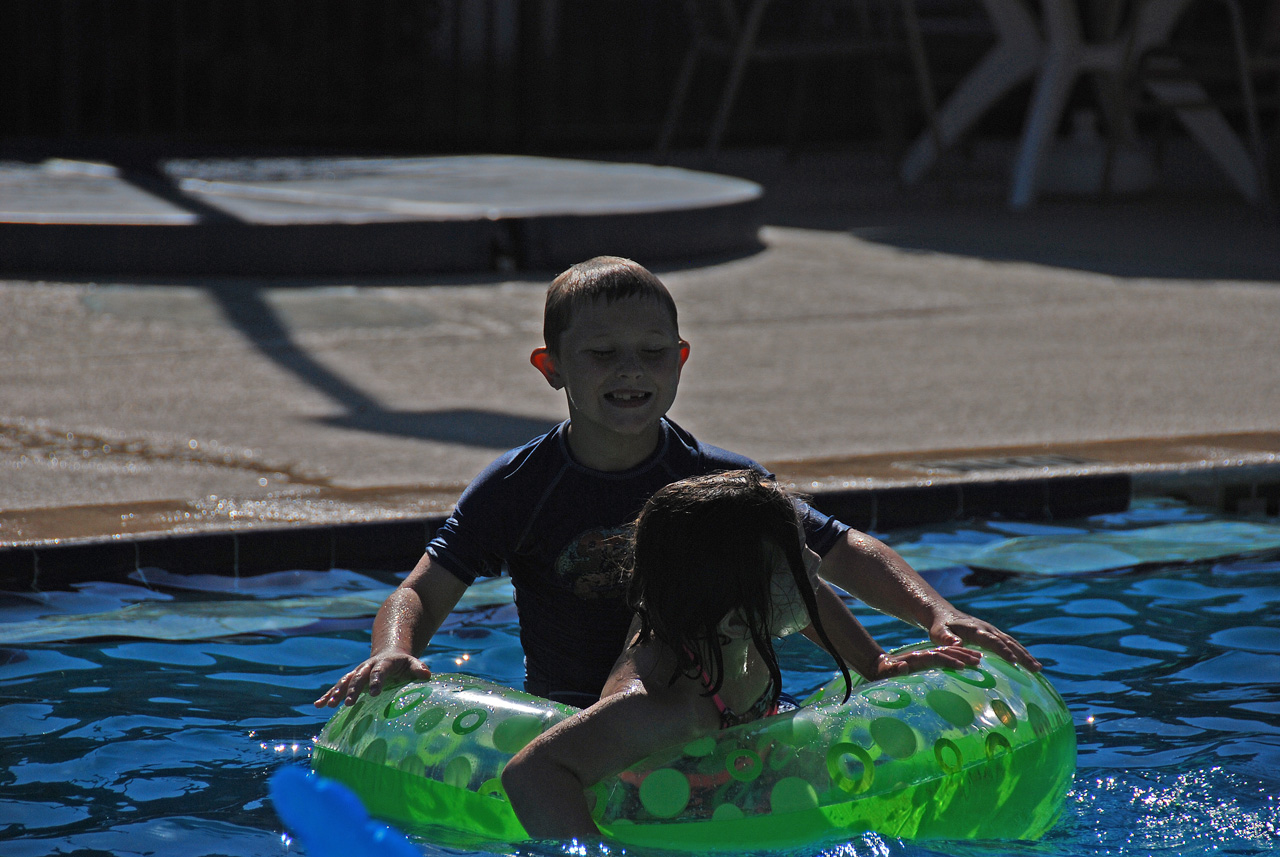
x: 553, y: 513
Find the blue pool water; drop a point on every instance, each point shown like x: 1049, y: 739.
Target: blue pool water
x: 146, y: 717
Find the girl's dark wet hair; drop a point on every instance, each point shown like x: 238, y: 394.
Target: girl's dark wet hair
x: 609, y: 277
x: 702, y: 549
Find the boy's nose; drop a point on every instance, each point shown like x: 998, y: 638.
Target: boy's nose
x: 630, y: 365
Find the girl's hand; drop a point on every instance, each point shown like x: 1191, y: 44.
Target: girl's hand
x: 943, y: 657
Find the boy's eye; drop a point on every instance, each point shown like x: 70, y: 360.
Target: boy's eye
x: 600, y: 352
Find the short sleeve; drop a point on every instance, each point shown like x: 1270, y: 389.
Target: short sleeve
x: 821, y: 531
x: 473, y: 541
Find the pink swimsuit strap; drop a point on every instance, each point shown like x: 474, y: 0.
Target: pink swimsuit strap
x: 762, y: 707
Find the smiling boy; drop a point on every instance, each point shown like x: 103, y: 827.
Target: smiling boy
x: 553, y: 513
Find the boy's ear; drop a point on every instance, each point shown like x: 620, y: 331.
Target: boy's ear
x: 543, y: 361
x: 684, y: 352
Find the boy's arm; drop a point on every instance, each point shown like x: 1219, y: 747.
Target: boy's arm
x: 406, y: 622
x: 862, y: 653
x: 871, y: 571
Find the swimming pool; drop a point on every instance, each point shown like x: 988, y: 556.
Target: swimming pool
x: 161, y: 743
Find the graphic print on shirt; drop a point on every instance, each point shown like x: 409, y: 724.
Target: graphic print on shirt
x: 594, y: 565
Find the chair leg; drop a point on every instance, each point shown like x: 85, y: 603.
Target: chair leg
x: 799, y: 91
x: 1252, y: 122
x: 799, y: 96
x: 923, y: 74
x: 1243, y: 161
x: 1119, y: 100
x: 741, y: 53
x: 684, y: 81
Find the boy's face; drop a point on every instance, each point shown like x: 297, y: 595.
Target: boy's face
x: 619, y: 365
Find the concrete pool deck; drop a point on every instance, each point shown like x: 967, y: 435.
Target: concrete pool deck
x: 904, y: 356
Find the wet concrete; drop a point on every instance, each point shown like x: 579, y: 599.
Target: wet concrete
x: 1239, y: 473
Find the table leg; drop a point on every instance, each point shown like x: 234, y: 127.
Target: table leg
x: 1064, y: 60
x: 1067, y: 56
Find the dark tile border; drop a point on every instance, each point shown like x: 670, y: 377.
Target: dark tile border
x: 1051, y: 498
x: 397, y: 545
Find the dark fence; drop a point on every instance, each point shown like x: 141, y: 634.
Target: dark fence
x: 430, y: 75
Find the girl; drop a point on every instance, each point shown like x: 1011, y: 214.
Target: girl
x: 719, y: 569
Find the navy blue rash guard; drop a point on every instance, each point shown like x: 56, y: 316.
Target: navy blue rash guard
x: 559, y: 529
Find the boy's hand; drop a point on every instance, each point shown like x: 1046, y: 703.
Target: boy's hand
x: 373, y: 674
x: 945, y: 657
x: 955, y: 628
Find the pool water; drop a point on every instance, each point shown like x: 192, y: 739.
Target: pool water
x: 146, y: 717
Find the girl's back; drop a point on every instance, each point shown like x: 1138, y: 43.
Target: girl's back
x: 719, y: 570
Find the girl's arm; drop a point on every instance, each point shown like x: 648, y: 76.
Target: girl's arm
x: 854, y: 645
x: 862, y: 653
x: 547, y: 779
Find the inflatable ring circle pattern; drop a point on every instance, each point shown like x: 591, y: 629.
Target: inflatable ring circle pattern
x: 980, y: 753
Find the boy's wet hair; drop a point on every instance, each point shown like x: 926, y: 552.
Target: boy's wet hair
x: 706, y: 546
x: 609, y: 277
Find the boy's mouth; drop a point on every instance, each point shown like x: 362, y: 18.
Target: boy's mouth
x: 628, y: 398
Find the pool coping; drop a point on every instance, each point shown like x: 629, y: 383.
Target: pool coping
x: 1237, y: 473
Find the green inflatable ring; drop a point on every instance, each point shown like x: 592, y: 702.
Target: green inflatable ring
x: 986, y: 753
